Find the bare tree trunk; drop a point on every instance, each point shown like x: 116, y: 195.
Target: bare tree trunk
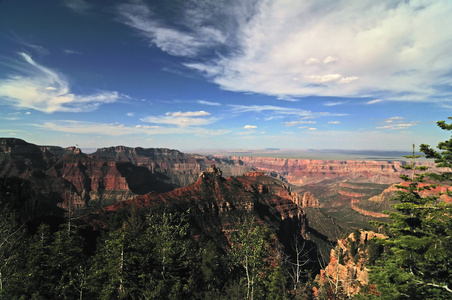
x: 121, y: 266
x: 247, y: 277
x: 337, y: 271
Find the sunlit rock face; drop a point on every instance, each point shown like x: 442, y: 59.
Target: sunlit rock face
x: 217, y: 203
x: 347, y: 270
x: 306, y: 171
x: 62, y: 177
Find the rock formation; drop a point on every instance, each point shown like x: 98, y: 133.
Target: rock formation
x: 307, y: 171
x: 62, y: 177
x: 347, y: 272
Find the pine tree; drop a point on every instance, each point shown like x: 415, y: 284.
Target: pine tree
x: 417, y: 258
x: 172, y: 256
x: 12, y: 237
x: 119, y: 263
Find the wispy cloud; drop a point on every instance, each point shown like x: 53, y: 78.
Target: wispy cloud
x: 393, y: 119
x: 208, y: 103
x: 43, y: 89
x: 72, y: 52
x: 334, y: 103
x: 287, y: 98
x: 334, y: 122
x: 374, y: 47
x: 175, y: 41
x: 79, y: 6
x: 189, y: 114
x: 294, y: 123
x: 374, y: 101
x: 116, y: 129
x: 182, y: 119
x: 396, y: 123
x: 279, y: 110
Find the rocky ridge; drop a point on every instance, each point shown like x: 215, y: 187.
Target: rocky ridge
x: 307, y: 171
x: 347, y: 269
x: 217, y: 202
x: 61, y: 177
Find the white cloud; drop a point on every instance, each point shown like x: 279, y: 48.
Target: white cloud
x: 333, y: 103
x: 323, y: 78
x: 182, y: 119
x: 311, y: 61
x: 208, y: 103
x: 71, y: 52
x: 294, y: 123
x: 348, y: 79
x: 287, y: 98
x: 116, y: 129
x: 329, y: 60
x: 334, y: 122
x: 278, y: 110
x: 393, y: 119
x: 374, y: 101
x: 79, y: 6
x: 396, y: 123
x: 168, y: 38
x: 249, y: 127
x: 396, y: 49
x: 200, y: 113
x: 312, y: 129
x: 130, y: 114
x: 43, y: 89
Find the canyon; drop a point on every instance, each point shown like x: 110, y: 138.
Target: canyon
x: 62, y: 177
x: 318, y: 201
x: 50, y: 180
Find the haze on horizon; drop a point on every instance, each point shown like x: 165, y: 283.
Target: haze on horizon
x: 226, y: 74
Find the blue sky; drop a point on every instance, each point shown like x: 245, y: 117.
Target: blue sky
x: 226, y: 74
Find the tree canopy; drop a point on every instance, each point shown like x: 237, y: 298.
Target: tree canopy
x: 416, y: 262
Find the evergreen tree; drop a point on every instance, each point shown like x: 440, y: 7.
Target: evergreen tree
x: 122, y: 258
x: 212, y: 269
x: 50, y: 266
x: 417, y: 256
x: 12, y: 237
x: 172, y: 256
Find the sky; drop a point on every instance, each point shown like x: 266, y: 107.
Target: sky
x: 226, y: 74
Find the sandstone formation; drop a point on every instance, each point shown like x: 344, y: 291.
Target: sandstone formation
x: 347, y: 272
x: 59, y: 178
x: 218, y: 201
x: 63, y: 177
x: 307, y: 171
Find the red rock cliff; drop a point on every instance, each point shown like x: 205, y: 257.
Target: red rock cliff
x: 306, y: 171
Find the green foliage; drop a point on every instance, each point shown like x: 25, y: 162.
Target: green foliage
x: 353, y: 248
x: 357, y: 235
x: 251, y: 253
x: 11, y: 237
x: 52, y: 266
x: 374, y: 249
x: 417, y: 256
x: 143, y: 255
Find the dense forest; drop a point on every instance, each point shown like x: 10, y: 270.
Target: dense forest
x: 143, y: 255
x: 156, y: 253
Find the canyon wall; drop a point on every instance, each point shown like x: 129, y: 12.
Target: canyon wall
x: 306, y: 171
x: 62, y: 177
